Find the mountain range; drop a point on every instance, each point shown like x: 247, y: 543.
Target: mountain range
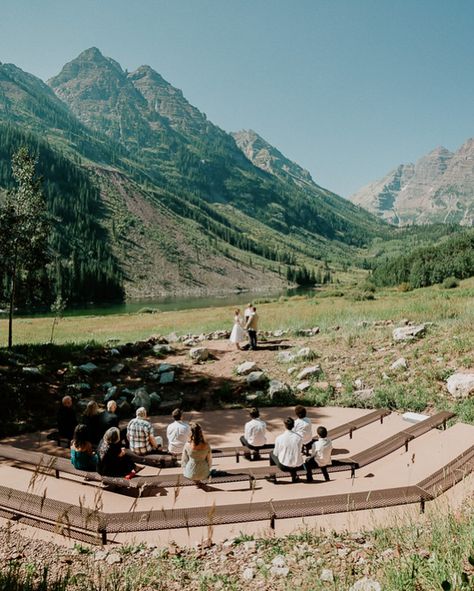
x: 439, y: 187
x: 151, y: 198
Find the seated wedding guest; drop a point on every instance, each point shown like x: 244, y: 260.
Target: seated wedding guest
x: 320, y: 455
x: 67, y: 419
x: 109, y: 417
x: 197, y: 458
x: 287, y: 451
x: 112, y: 458
x: 83, y: 456
x: 304, y: 428
x: 254, y: 436
x: 177, y: 433
x: 141, y: 435
x: 91, y: 418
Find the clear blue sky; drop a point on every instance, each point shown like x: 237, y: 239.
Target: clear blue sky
x: 346, y: 88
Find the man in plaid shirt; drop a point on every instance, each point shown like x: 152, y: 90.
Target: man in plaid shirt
x: 141, y: 436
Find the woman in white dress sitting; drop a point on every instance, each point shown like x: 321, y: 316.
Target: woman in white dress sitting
x: 238, y: 334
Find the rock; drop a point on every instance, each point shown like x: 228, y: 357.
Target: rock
x: 248, y: 574
x: 307, y: 332
x: 114, y: 352
x: 277, y: 389
x: 100, y: 555
x: 359, y: 384
x: 253, y: 397
x: 279, y: 561
x: 162, y: 349
x: 199, y: 353
x: 256, y: 377
x: 303, y: 386
x: 171, y: 404
x: 364, y: 395
x: 117, y: 368
x: 113, y: 558
x: 310, y: 371
x: 82, y: 387
x: 362, y: 324
x: 285, y: 356
x: 399, y: 364
x: 305, y: 354
x: 249, y: 545
x: 111, y: 394
x: 31, y: 371
x: 279, y: 333
x: 247, y: 367
x: 191, y: 342
x: 88, y: 368
x: 366, y: 584
x: 461, y: 385
x: 163, y: 367
x: 141, y: 398
x: 172, y: 338
x: 408, y: 333
x: 155, y: 400
x: 167, y: 377
x: 106, y: 385
x: 291, y: 370
x: 327, y: 575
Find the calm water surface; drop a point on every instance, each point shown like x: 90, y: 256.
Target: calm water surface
x: 173, y: 303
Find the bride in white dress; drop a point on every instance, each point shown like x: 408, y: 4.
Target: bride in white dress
x: 238, y: 334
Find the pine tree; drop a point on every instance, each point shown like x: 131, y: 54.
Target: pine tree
x: 24, y: 231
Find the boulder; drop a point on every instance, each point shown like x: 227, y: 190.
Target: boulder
x: 358, y: 383
x: 254, y: 397
x: 199, y: 353
x: 291, y: 370
x: 82, y: 387
x: 31, y: 371
x: 247, y: 367
x: 277, y: 389
x: 308, y: 332
x: 117, y: 368
x: 285, y: 356
x: 278, y: 333
x: 302, y: 386
x: 308, y: 372
x: 461, y: 385
x: 305, y: 354
x: 111, y: 394
x: 155, y: 400
x: 191, y: 342
x: 162, y: 349
x: 88, y: 368
x: 141, y: 398
x: 166, y: 367
x: 399, y: 365
x: 364, y: 395
x: 408, y: 333
x: 172, y: 338
x: 256, y: 378
x: 167, y: 377
x: 366, y: 584
x: 170, y: 404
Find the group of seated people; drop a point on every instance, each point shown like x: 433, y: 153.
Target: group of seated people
x: 296, y: 440
x: 97, y: 444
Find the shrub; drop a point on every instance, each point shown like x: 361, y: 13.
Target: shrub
x: 148, y: 311
x: 450, y: 283
x: 404, y: 287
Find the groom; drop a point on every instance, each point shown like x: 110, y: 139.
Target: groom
x: 252, y: 326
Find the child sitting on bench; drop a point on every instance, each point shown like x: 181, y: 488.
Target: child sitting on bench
x: 320, y: 455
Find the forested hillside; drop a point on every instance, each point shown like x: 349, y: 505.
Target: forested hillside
x: 453, y: 257
x: 150, y: 198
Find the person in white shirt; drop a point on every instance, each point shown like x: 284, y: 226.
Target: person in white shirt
x: 177, y: 433
x: 248, y: 312
x: 304, y: 428
x: 320, y: 455
x: 287, y: 451
x: 254, y: 436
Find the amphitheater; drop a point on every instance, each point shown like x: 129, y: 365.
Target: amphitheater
x: 386, y: 469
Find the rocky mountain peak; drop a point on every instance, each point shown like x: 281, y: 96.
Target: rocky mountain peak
x: 439, y: 187
x: 268, y: 158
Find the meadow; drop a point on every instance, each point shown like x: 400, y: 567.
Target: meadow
x: 344, y: 307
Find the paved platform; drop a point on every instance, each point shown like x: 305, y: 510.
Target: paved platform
x: 223, y: 428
